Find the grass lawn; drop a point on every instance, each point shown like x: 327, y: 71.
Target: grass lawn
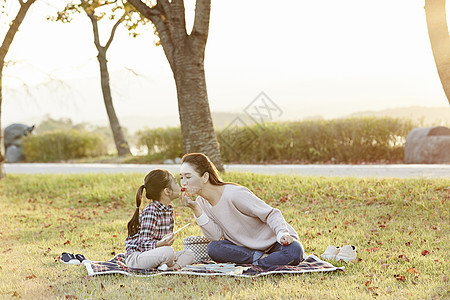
x: 399, y: 226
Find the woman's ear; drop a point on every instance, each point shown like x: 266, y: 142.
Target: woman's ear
x: 205, y: 177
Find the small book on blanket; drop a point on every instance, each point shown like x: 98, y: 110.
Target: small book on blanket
x: 116, y: 265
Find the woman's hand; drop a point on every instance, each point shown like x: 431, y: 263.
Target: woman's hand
x: 286, y: 240
x: 167, y: 240
x: 188, y: 202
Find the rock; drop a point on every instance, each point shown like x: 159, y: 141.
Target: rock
x: 428, y: 146
x: 168, y: 162
x: 13, y: 135
x: 14, y: 154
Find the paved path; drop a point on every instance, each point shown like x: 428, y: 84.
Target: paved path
x: 402, y: 171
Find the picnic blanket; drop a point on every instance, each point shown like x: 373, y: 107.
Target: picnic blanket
x: 116, y: 265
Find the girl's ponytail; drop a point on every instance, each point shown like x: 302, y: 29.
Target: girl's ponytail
x: 134, y: 225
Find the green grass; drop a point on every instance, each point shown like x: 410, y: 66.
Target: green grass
x: 391, y: 221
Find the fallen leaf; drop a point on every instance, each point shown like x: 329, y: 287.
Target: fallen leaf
x: 425, y: 252
x: 444, y: 278
x: 32, y: 276
x: 403, y: 257
x: 67, y: 242
x: 412, y: 271
x: 15, y: 294
x: 400, y: 277
x: 70, y: 297
x: 408, y: 244
x: 373, y: 249
x: 368, y: 283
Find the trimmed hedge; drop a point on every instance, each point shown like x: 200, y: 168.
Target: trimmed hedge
x: 162, y: 142
x: 62, y: 145
x: 351, y: 140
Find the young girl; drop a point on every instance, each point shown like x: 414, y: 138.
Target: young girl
x: 150, y: 234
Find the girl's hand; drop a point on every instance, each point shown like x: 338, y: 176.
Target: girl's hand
x: 167, y: 240
x: 286, y: 240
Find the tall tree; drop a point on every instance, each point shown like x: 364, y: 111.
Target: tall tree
x: 185, y: 53
x: 4, y: 48
x: 440, y: 40
x: 90, y: 7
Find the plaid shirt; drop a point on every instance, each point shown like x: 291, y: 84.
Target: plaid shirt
x: 156, y: 221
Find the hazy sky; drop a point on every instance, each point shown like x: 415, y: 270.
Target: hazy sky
x: 322, y: 57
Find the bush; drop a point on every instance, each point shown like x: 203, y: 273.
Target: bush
x: 351, y: 140
x: 162, y: 142
x: 62, y: 145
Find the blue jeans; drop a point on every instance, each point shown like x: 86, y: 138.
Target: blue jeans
x: 225, y: 251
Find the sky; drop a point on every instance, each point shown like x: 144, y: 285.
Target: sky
x: 312, y: 58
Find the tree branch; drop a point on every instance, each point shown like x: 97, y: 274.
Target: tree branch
x: 113, y: 31
x: 12, y: 30
x: 145, y: 10
x: 158, y: 18
x: 178, y: 20
x: 95, y: 30
x: 201, y: 21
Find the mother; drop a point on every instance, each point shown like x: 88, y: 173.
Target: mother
x: 252, y: 231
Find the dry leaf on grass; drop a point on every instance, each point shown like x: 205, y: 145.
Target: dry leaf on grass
x: 412, y: 271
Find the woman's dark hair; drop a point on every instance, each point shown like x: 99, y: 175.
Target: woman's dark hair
x: 154, y: 183
x: 201, y: 164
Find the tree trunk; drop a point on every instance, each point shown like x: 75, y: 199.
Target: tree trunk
x: 185, y: 54
x: 195, y: 117
x: 2, y: 157
x: 119, y: 138
x: 7, y: 41
x: 440, y: 40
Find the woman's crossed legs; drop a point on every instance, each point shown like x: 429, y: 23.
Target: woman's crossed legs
x: 225, y: 251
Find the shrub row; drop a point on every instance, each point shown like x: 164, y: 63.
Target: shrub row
x: 62, y: 145
x: 349, y: 140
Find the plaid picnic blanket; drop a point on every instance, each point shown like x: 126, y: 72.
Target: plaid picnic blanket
x: 116, y: 265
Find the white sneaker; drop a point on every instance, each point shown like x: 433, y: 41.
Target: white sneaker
x: 163, y: 267
x: 347, y: 253
x: 331, y: 252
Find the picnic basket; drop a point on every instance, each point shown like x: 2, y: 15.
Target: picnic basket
x: 198, y: 244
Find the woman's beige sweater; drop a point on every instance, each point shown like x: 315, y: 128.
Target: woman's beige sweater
x: 243, y: 219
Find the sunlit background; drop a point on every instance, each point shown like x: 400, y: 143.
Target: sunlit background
x: 322, y: 58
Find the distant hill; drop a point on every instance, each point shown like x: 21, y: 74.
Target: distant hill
x: 424, y: 116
